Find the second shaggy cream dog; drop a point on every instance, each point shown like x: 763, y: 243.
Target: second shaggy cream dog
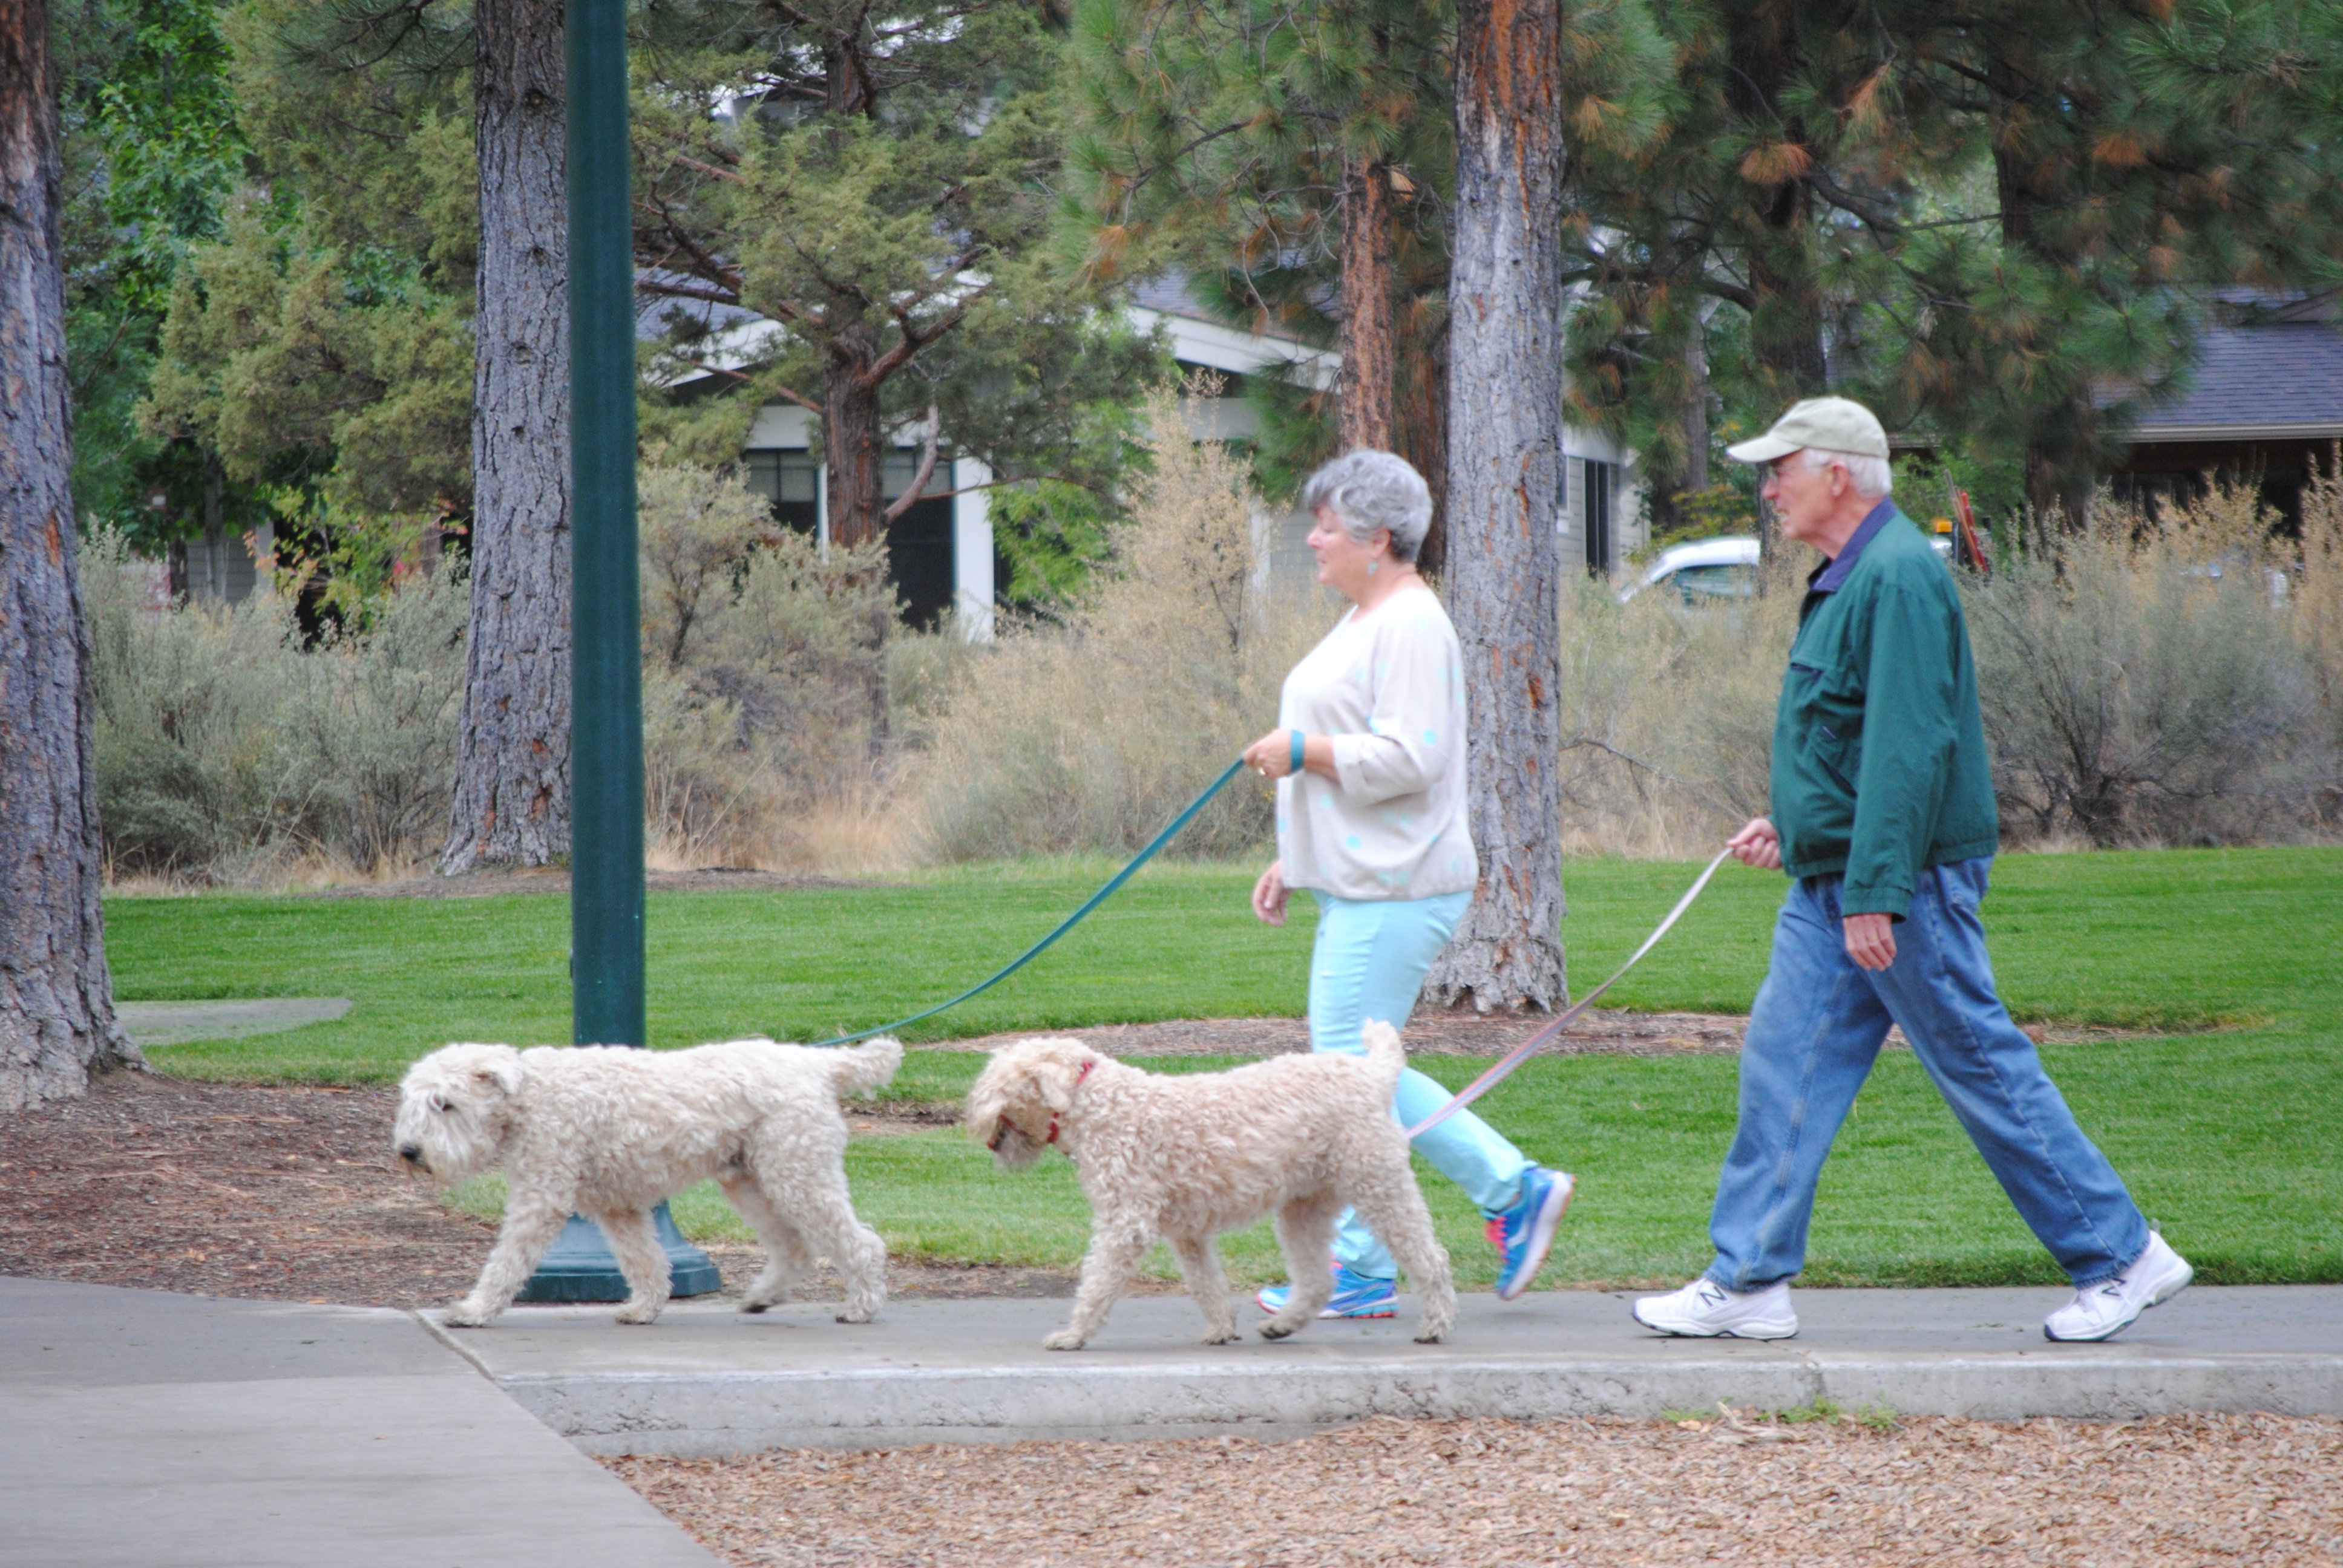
x: 608, y: 1133
x: 1187, y: 1157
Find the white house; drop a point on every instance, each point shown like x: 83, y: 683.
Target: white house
x: 942, y: 546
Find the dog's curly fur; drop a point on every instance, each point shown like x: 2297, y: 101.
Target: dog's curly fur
x: 1187, y: 1157
x: 607, y: 1133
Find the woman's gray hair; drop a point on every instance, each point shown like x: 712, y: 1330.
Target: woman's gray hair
x: 1370, y: 491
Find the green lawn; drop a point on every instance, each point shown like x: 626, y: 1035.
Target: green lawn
x: 2232, y: 1140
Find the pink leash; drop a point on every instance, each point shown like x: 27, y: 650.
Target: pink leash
x: 1513, y: 1059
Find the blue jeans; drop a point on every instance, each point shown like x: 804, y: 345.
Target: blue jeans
x: 1812, y: 1036
x: 1369, y: 963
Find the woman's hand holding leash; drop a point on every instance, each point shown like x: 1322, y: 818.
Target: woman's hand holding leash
x: 1272, y: 755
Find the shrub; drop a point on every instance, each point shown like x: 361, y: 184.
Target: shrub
x: 766, y: 669
x: 225, y: 749
x: 1089, y: 733
x: 1667, y: 717
x: 2159, y: 678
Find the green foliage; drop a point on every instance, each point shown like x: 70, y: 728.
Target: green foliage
x: 151, y: 148
x: 291, y: 365
x: 1212, y: 136
x: 1053, y: 536
x: 882, y: 194
x: 2006, y: 223
x: 761, y: 674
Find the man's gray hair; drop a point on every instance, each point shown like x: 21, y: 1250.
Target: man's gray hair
x: 1871, y: 477
x: 1367, y: 491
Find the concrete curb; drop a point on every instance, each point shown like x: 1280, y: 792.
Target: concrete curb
x: 709, y: 1383
x: 718, y: 1414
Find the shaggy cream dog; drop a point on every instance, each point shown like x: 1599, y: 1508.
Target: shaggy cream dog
x: 1187, y: 1157
x: 608, y: 1133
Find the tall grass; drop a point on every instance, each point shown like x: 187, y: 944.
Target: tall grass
x: 2173, y: 677
x: 2167, y: 677
x: 1090, y: 733
x: 1667, y: 716
x: 766, y: 669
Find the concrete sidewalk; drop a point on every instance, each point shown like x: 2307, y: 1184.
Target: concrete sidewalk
x: 709, y: 1381
x: 182, y: 1432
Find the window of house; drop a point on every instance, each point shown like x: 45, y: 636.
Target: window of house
x: 787, y: 478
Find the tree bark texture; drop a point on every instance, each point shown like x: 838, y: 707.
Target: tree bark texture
x: 511, y: 803
x: 56, y: 998
x: 1420, y: 424
x: 2063, y: 440
x: 852, y: 437
x: 1364, y: 394
x: 853, y: 444
x: 1785, y: 321
x: 1504, y: 567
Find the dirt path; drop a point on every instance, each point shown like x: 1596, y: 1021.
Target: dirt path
x: 280, y: 1194
x: 2180, y: 1489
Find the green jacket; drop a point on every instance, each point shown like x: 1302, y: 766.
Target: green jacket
x: 1879, y: 760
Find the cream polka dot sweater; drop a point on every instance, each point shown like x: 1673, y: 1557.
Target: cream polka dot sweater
x: 1389, y: 686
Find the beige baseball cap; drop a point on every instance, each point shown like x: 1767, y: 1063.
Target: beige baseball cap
x: 1832, y: 424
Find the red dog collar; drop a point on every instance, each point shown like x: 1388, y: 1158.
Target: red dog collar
x: 1085, y: 1072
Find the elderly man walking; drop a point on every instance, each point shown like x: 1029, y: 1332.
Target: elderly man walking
x: 1883, y: 812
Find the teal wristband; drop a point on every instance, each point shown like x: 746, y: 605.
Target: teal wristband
x: 1296, y: 757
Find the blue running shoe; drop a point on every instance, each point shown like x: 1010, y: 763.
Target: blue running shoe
x: 1523, y: 1234
x: 1355, y: 1296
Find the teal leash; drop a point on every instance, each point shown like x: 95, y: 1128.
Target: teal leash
x: 1070, y: 922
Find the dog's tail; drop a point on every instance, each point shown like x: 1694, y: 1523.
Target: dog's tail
x: 1386, y: 1058
x: 866, y: 1066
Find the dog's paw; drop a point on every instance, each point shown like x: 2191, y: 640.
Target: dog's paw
x: 1273, y: 1330
x: 468, y: 1314
x: 1063, y: 1340
x: 855, y: 1315
x: 638, y: 1315
x: 1227, y: 1336
x: 1430, y: 1336
x: 754, y: 1306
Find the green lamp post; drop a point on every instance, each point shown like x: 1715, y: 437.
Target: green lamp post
x: 605, y: 737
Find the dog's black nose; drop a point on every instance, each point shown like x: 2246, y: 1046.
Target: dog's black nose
x: 411, y: 1152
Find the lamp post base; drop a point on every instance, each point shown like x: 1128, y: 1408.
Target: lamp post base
x: 581, y: 1268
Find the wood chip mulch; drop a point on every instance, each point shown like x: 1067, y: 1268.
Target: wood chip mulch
x: 2156, y: 1494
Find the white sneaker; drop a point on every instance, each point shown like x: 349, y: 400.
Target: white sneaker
x: 1706, y: 1309
x: 2111, y: 1306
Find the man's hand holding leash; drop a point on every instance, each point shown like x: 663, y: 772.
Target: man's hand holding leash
x: 1870, y: 938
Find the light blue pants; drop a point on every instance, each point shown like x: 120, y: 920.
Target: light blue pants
x: 1369, y: 963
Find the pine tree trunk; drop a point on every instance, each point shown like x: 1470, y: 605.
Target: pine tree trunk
x: 2061, y: 460
x: 1785, y: 330
x: 1363, y: 394
x: 1420, y: 428
x: 1503, y: 567
x: 56, y: 998
x: 1696, y: 410
x: 852, y: 441
x: 511, y: 800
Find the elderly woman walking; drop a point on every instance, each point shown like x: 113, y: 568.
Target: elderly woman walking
x: 1369, y: 757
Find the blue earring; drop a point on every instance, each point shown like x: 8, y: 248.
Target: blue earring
x: 1373, y: 566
